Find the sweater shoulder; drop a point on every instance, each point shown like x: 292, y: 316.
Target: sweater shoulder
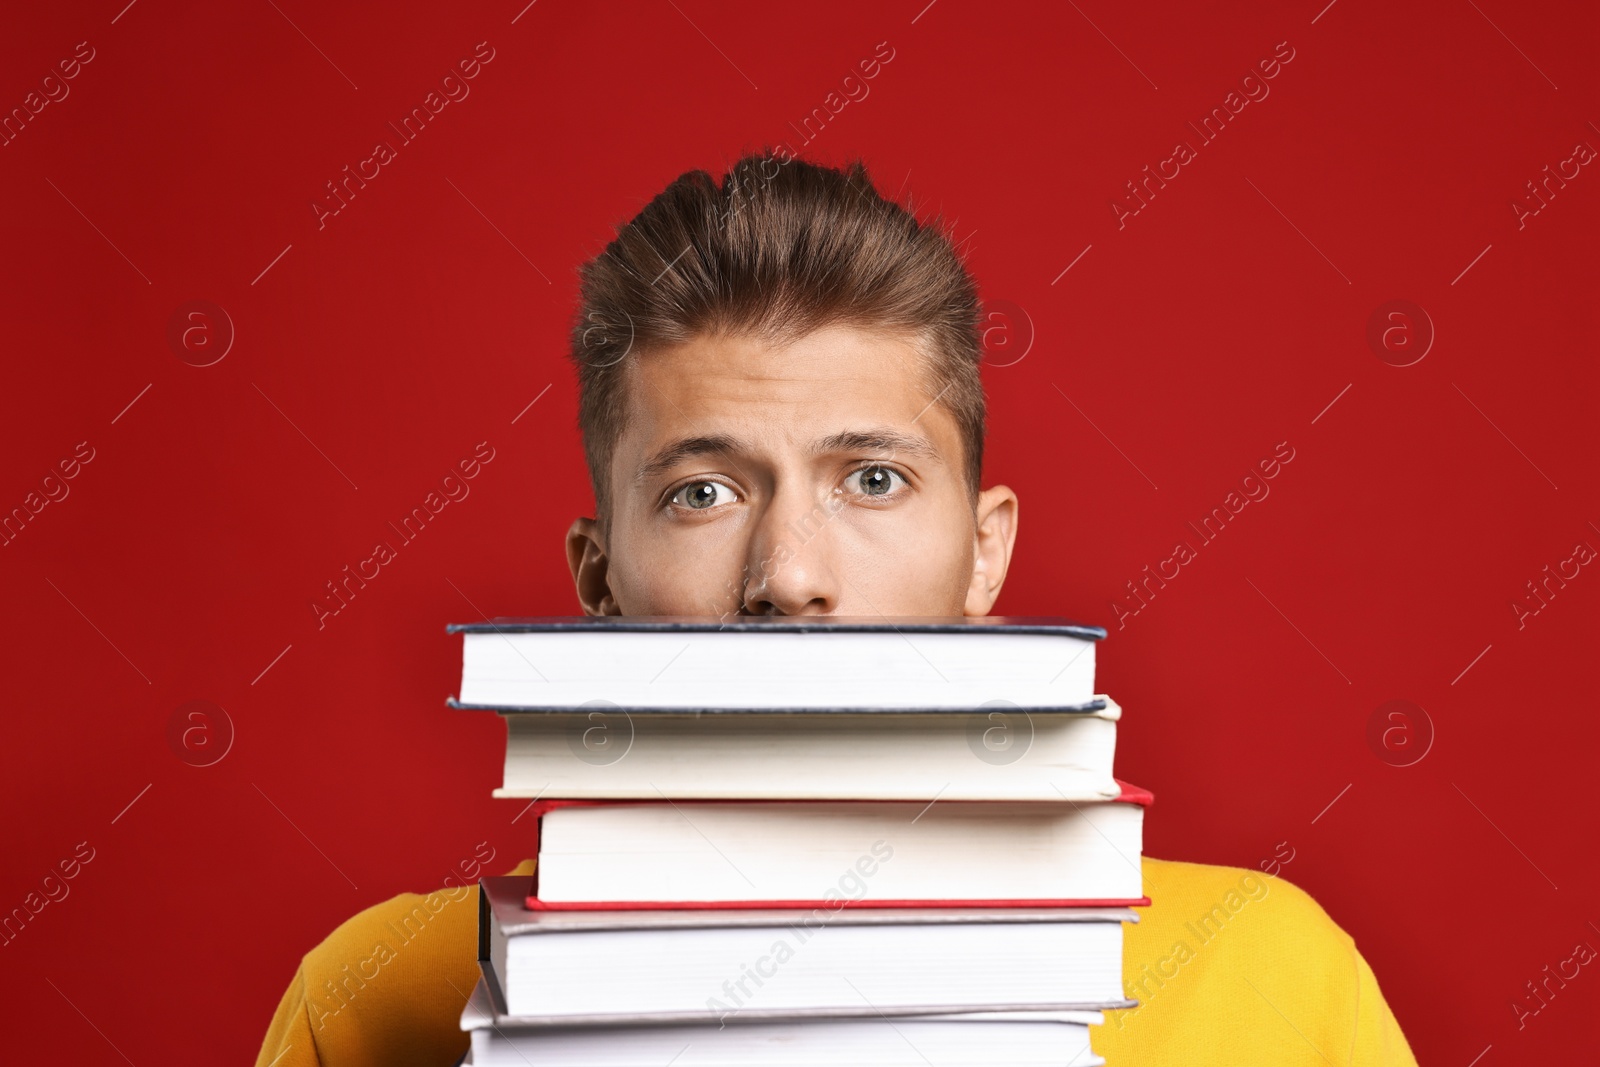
x: 1273, y: 915
x: 1245, y: 964
x: 388, y: 984
x: 400, y: 921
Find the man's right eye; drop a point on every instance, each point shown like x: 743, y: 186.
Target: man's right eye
x: 699, y: 496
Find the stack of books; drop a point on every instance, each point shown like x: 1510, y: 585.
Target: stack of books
x: 803, y: 840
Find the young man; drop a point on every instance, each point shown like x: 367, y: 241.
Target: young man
x: 782, y: 414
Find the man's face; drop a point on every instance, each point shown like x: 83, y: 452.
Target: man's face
x: 818, y: 478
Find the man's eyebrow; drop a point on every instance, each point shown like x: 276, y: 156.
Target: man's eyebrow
x: 878, y: 439
x: 687, y: 448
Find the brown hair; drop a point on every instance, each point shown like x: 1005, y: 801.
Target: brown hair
x: 780, y: 248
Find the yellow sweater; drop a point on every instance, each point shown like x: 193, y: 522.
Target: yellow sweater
x: 1230, y: 967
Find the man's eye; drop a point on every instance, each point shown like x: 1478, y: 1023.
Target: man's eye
x: 875, y: 481
x: 702, y: 495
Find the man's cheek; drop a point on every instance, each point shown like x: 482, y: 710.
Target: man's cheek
x: 672, y: 577
x: 904, y: 563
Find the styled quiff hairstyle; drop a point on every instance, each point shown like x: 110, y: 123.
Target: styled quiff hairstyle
x: 779, y: 248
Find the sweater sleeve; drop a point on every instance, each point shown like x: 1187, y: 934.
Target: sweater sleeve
x: 1378, y: 1040
x: 288, y: 1042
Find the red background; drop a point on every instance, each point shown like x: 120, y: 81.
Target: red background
x: 377, y: 351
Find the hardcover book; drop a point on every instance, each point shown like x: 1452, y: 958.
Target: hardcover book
x: 862, y: 854
x: 570, y: 968
x: 781, y: 663
x: 998, y: 753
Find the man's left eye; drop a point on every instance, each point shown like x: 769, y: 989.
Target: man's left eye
x: 875, y: 481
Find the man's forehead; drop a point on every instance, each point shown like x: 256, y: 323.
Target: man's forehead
x: 830, y: 391
x: 748, y: 367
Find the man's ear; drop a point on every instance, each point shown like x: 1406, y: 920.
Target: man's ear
x: 586, y: 557
x: 992, y: 541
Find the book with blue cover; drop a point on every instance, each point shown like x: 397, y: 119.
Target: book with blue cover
x: 653, y: 664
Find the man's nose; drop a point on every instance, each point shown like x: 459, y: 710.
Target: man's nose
x: 792, y: 567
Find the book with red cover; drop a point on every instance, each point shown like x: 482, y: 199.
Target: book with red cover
x: 1130, y: 794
